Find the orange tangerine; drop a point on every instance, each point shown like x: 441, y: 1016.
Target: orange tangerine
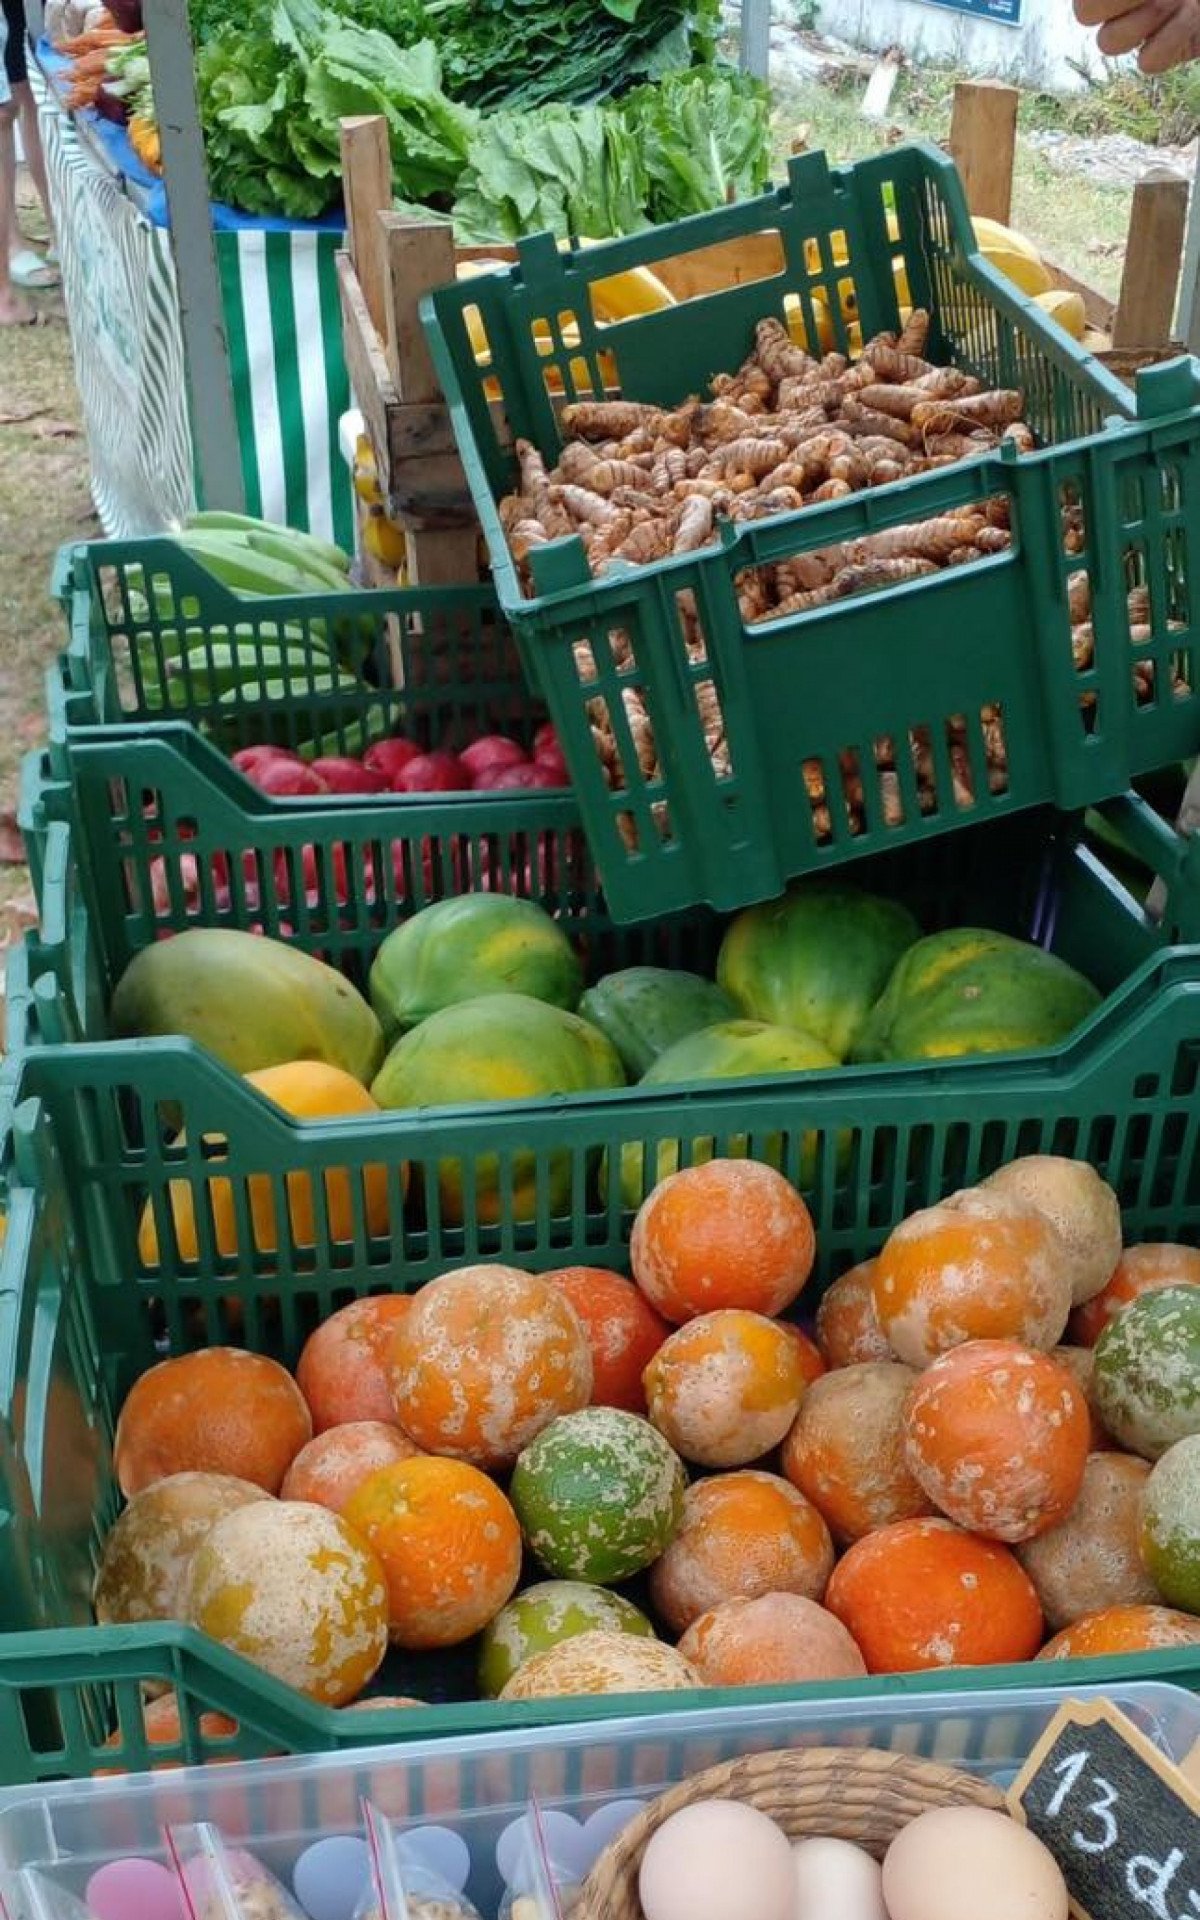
x: 848, y: 1329
x: 777, y: 1639
x: 743, y: 1534
x: 335, y: 1463
x: 344, y: 1370
x: 449, y: 1543
x: 731, y: 1233
x: 1121, y: 1630
x: 845, y: 1450
x: 1093, y: 1558
x: 487, y: 1357
x: 219, y: 1411
x: 724, y: 1389
x: 1143, y: 1269
x: 623, y: 1330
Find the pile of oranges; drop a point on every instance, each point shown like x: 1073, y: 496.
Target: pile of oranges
x: 953, y: 1468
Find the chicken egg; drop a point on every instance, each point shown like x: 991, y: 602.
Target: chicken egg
x: 834, y: 1877
x: 718, y: 1860
x: 958, y: 1860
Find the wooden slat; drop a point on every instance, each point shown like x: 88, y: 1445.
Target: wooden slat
x: 367, y: 179
x: 1157, y: 226
x: 983, y: 140
x: 418, y: 256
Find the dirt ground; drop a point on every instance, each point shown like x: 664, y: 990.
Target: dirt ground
x: 44, y: 501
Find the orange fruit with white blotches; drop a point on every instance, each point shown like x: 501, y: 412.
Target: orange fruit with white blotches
x: 725, y: 1388
x: 742, y: 1534
x: 848, y: 1329
x: 344, y: 1370
x: 728, y: 1234
x: 334, y: 1464
x: 218, y: 1411
x: 845, y: 1450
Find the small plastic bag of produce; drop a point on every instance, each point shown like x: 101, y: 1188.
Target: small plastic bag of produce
x: 222, y: 1882
x: 541, y: 1867
x: 28, y: 1894
x: 413, y: 1879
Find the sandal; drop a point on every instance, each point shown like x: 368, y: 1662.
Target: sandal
x: 28, y: 270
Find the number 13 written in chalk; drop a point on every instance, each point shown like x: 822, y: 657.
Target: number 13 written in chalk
x: 1148, y: 1881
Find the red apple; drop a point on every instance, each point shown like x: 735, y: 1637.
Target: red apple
x: 505, y: 779
x: 493, y: 750
x: 342, y: 775
x: 433, y: 773
x: 247, y: 760
x: 288, y: 780
x: 390, y: 757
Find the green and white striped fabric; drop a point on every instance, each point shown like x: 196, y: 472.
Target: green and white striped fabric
x: 283, y: 323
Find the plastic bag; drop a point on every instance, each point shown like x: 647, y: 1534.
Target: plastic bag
x: 411, y: 1880
x: 220, y: 1882
x: 542, y: 1874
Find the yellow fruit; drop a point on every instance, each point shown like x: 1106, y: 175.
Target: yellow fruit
x: 994, y: 234
x: 366, y: 473
x: 1026, y: 273
x: 903, y: 290
x: 1066, y: 310
x: 383, y: 539
x: 794, y: 314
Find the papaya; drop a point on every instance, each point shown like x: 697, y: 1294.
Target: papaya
x: 309, y: 1090
x: 818, y: 960
x: 503, y: 1046
x: 971, y: 991
x: 731, y: 1050
x: 466, y: 947
x: 645, y: 1010
x: 253, y: 1002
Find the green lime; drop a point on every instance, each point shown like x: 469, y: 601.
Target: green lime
x: 1171, y: 1524
x: 599, y: 1495
x: 544, y: 1615
x: 1147, y: 1377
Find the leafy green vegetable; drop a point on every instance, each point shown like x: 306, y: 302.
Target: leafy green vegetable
x: 704, y: 137
x: 363, y: 72
x: 524, y: 53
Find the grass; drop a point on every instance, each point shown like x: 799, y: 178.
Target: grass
x: 44, y: 501
x: 1081, y: 226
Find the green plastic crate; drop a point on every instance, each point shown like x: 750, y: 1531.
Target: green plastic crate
x: 86, y: 1141
x: 149, y: 630
x: 804, y: 701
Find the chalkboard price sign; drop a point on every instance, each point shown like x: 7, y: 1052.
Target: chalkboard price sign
x: 1122, y: 1822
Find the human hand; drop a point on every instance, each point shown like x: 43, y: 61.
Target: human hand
x: 1164, y: 33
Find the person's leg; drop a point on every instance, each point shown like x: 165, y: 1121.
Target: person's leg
x: 31, y: 142
x: 13, y: 310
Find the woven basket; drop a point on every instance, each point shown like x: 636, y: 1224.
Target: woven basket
x: 850, y: 1793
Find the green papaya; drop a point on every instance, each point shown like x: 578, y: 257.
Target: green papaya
x: 253, y: 1002
x: 645, y: 1010
x: 731, y: 1050
x: 468, y: 946
x: 503, y: 1046
x: 972, y: 991
x: 818, y: 959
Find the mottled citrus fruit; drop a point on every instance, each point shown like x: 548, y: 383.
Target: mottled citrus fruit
x: 845, y: 1450
x: 344, y: 1371
x: 981, y: 1266
x: 334, y: 1464
x: 542, y: 1616
x: 812, y: 1360
x: 144, y: 1567
x: 743, y: 1534
x: 449, y: 1544
x: 1120, y: 1630
x: 777, y: 1639
x: 848, y: 1329
x: 1081, y: 1205
x: 998, y: 1437
x: 623, y: 1330
x: 725, y: 1388
x: 309, y: 1090
x: 1093, y: 1558
x: 1171, y: 1527
x: 291, y: 1588
x: 487, y: 1357
x: 600, y: 1662
x: 219, y: 1411
x: 162, y: 1724
x: 1145, y: 1269
x: 1080, y: 1363
x: 732, y: 1233
x: 1147, y: 1379
x: 924, y: 1594
x: 599, y: 1495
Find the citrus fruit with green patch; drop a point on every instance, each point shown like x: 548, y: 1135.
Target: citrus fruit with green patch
x: 1171, y: 1524
x: 599, y: 1495
x: 544, y: 1615
x: 1147, y: 1378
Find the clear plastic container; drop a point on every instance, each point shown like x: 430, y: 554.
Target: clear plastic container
x: 477, y: 1787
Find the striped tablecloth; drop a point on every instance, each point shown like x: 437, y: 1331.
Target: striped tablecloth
x: 284, y: 328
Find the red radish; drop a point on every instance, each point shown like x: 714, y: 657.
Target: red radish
x: 288, y: 780
x: 543, y: 738
x: 390, y: 757
x: 349, y: 776
x: 492, y: 751
x: 551, y: 756
x: 248, y: 759
x: 504, y: 779
x: 433, y: 773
